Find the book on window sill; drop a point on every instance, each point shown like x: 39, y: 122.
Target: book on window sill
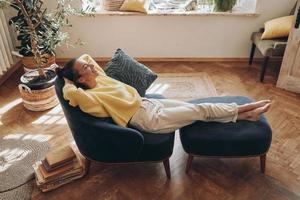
x: 59, y: 156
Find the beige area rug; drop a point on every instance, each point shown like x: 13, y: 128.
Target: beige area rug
x: 183, y: 86
x: 18, y: 152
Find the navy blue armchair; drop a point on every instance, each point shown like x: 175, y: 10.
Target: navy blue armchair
x: 101, y: 140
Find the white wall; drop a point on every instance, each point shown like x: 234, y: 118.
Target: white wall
x: 171, y: 36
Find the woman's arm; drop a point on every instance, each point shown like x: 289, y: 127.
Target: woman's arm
x: 90, y: 60
x: 86, y: 101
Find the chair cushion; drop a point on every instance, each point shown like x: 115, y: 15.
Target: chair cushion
x: 156, y: 146
x: 269, y: 47
x: 243, y: 138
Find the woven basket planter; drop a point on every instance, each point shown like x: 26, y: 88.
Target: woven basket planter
x: 38, y: 100
x: 38, y: 94
x: 112, y: 5
x: 29, y: 63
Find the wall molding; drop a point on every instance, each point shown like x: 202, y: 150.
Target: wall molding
x: 177, y: 59
x: 16, y: 66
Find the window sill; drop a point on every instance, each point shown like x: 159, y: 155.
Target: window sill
x: 187, y: 13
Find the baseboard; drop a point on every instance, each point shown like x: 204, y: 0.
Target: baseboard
x: 177, y: 59
x: 10, y: 71
x: 4, y: 77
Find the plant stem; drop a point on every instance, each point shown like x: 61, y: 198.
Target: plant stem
x: 32, y: 33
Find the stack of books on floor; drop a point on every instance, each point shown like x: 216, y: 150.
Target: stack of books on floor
x: 59, y: 167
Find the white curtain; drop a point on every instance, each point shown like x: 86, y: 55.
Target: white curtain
x: 6, y: 46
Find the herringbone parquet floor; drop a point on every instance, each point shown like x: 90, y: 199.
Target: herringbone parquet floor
x: 230, y: 179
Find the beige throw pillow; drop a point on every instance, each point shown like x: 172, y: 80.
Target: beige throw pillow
x: 279, y: 27
x: 135, y: 5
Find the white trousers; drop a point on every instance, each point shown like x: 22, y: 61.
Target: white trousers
x: 166, y: 116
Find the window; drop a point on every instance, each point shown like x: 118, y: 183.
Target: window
x: 200, y: 5
x: 168, y: 5
x: 173, y: 6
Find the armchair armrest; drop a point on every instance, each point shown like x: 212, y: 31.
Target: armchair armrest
x: 107, y: 142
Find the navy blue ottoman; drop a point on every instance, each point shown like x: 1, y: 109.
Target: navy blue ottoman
x: 213, y: 139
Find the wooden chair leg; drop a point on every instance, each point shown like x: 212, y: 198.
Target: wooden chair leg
x: 189, y: 163
x: 167, y: 168
x: 263, y: 163
x: 87, y: 166
x: 263, y: 68
x: 252, y: 53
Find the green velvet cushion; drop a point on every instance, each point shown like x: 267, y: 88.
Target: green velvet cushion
x: 127, y: 70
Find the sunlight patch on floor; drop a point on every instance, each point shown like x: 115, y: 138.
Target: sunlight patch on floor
x: 9, y: 106
x: 23, y: 136
x: 54, y: 116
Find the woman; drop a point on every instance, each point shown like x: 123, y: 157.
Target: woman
x: 87, y: 86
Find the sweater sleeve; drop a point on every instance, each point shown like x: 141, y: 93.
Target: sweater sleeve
x: 86, y: 102
x: 90, y: 60
x: 70, y: 93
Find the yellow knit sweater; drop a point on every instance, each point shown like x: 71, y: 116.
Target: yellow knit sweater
x: 110, y: 98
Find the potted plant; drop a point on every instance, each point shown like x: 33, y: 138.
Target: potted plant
x: 39, y: 33
x: 224, y: 5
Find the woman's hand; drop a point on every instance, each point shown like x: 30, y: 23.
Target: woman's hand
x: 67, y: 81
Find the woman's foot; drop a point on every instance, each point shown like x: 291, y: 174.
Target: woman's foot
x: 253, y: 115
x: 252, y: 106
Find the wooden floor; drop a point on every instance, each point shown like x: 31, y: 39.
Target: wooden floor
x: 209, y: 178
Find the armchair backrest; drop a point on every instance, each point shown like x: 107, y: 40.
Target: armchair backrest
x: 75, y: 112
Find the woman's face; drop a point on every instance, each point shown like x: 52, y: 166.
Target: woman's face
x: 87, y: 73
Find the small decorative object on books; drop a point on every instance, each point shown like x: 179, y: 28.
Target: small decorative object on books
x: 59, y: 167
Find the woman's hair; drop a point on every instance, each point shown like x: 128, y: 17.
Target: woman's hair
x: 68, y: 72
